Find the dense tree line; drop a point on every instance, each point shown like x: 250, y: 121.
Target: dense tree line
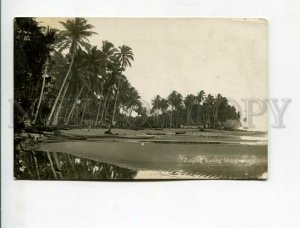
x: 202, y: 111
x: 61, y: 79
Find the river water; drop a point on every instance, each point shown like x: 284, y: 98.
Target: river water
x: 211, y: 155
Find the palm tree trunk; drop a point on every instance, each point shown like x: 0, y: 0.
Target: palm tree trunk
x: 98, y: 112
x: 187, y: 116
x: 61, y: 89
x: 216, y: 113
x: 171, y: 117
x: 99, y: 107
x: 66, y: 113
x: 198, y: 115
x: 106, y: 110
x: 104, y: 107
x: 55, y: 119
x: 203, y: 117
x: 103, y: 111
x: 74, y: 105
x: 115, y: 107
x: 40, y: 99
x: 190, y: 117
x: 84, y: 109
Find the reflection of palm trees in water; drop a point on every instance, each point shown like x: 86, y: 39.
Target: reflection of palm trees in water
x: 41, y: 165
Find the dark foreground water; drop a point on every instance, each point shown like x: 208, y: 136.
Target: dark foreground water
x: 63, y: 166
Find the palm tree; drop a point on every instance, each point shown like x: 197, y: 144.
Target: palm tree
x: 199, y: 99
x: 156, y: 102
x: 124, y: 56
x: 164, y: 107
x: 74, y: 37
x: 102, y: 60
x: 217, y: 103
x: 108, y: 50
x: 209, y: 101
x: 41, y: 94
x: 175, y: 100
x: 60, y: 66
x: 189, y: 101
x: 85, y: 101
x: 129, y: 100
x: 84, y: 77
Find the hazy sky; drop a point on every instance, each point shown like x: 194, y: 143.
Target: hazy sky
x: 227, y: 56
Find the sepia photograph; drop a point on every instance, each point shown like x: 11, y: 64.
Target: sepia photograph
x: 140, y: 98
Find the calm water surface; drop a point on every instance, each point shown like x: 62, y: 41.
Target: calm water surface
x: 212, y: 155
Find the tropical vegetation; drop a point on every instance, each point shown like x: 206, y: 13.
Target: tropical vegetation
x: 62, y: 79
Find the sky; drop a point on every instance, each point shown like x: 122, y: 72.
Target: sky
x: 226, y: 56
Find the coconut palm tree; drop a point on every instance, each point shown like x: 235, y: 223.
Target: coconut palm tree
x: 175, y: 100
x: 199, y: 98
x: 217, y: 103
x: 108, y: 51
x: 189, y: 101
x: 156, y: 102
x: 73, y: 37
x: 124, y: 56
x: 164, y: 107
x: 209, y: 101
x: 60, y: 66
x: 41, y: 94
x: 129, y: 100
x: 84, y: 78
x: 102, y: 59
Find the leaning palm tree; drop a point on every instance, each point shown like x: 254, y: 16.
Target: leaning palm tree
x: 124, y: 56
x: 83, y: 79
x: 60, y: 66
x: 73, y: 37
x: 41, y: 94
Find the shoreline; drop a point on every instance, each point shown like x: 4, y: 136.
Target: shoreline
x: 193, y: 155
